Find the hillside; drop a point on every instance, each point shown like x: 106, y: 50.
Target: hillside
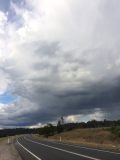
x: 95, y: 137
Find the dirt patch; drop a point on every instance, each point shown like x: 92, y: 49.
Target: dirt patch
x: 8, y: 151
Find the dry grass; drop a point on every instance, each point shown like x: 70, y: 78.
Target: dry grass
x: 100, y: 138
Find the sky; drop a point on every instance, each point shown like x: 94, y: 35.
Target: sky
x: 59, y: 58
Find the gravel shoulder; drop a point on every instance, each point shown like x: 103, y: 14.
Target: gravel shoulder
x: 8, y: 151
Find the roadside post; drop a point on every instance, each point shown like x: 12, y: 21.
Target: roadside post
x: 60, y: 138
x: 8, y: 140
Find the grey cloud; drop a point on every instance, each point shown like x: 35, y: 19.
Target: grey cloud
x: 74, y: 104
x: 74, y: 72
x: 54, y: 97
x: 47, y: 49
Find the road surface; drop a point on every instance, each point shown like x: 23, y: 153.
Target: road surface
x: 31, y: 149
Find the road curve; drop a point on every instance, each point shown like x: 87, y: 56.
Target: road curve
x: 49, y: 150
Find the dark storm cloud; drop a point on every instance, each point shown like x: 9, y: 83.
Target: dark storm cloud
x: 53, y: 100
x: 106, y: 97
x: 60, y: 59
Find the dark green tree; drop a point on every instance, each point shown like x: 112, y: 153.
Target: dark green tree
x: 59, y: 127
x: 48, y: 130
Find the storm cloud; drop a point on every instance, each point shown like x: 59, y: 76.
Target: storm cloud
x: 59, y: 58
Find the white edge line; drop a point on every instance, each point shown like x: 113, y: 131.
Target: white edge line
x: 77, y: 154
x: 28, y: 150
x: 100, y: 150
x: 77, y: 146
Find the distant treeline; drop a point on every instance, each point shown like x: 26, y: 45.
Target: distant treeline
x: 17, y: 131
x: 92, y: 124
x: 50, y: 129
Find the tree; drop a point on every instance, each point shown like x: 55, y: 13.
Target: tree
x: 48, y: 130
x: 59, y: 127
x: 62, y: 121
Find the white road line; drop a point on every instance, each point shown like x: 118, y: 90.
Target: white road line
x: 77, y: 154
x: 28, y: 151
x: 100, y: 150
x: 77, y: 146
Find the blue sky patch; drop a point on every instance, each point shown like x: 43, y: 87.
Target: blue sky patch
x: 7, y: 98
x: 4, y: 5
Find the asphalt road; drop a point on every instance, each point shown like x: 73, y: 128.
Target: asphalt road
x: 30, y: 149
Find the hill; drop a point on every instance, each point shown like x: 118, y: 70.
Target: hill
x: 93, y: 137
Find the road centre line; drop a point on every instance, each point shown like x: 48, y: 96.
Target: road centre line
x: 77, y: 146
x: 77, y: 154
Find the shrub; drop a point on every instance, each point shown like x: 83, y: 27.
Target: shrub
x: 115, y: 130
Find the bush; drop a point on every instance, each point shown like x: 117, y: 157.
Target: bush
x: 115, y: 130
x: 48, y: 130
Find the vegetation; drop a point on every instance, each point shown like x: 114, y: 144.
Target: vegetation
x: 115, y: 130
x: 61, y: 127
x: 50, y: 129
x: 92, y: 137
x: 17, y: 131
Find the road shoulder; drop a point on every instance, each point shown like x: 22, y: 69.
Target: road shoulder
x: 8, y: 151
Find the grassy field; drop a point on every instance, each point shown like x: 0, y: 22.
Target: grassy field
x: 97, y: 137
